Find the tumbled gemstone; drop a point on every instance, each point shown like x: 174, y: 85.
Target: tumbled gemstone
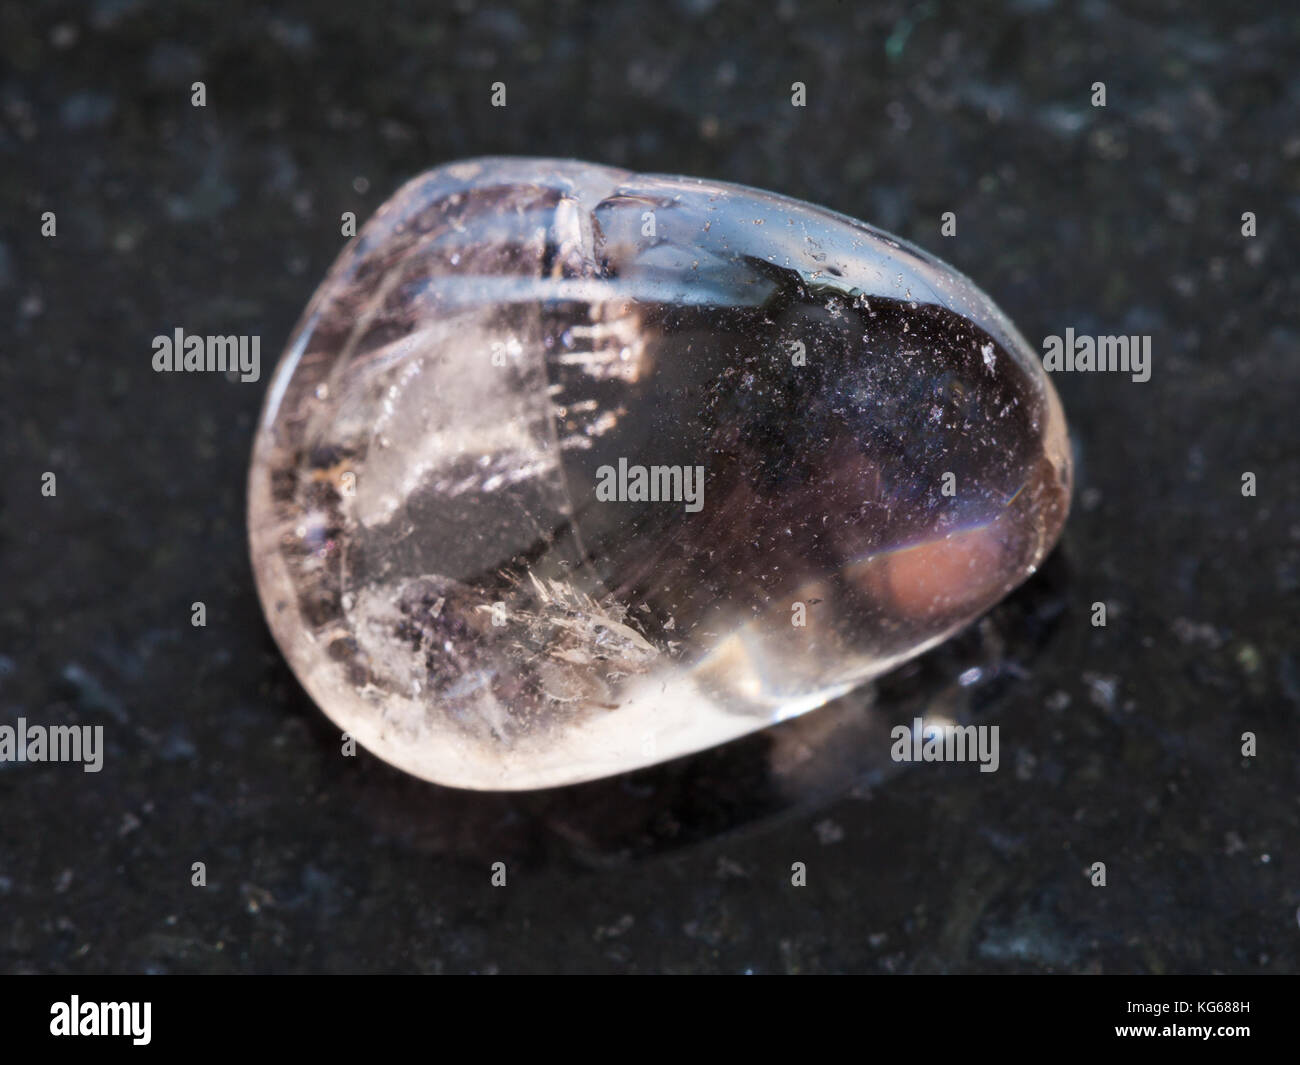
x: 568, y: 470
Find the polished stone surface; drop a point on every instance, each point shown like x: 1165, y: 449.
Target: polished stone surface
x: 569, y: 470
x: 1119, y: 743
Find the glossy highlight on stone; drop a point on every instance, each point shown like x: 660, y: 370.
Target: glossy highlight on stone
x: 568, y: 470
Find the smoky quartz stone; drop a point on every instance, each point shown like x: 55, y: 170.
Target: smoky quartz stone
x: 568, y: 470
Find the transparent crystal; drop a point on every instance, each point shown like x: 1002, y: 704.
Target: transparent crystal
x: 881, y: 459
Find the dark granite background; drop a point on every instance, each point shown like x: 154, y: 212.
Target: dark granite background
x: 1119, y: 744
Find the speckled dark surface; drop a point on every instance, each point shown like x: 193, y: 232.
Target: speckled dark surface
x: 1119, y: 744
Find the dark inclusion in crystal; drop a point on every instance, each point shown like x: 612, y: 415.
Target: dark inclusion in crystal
x: 508, y: 343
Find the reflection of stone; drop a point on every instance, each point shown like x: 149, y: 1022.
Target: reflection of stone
x: 431, y: 548
x: 948, y: 574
